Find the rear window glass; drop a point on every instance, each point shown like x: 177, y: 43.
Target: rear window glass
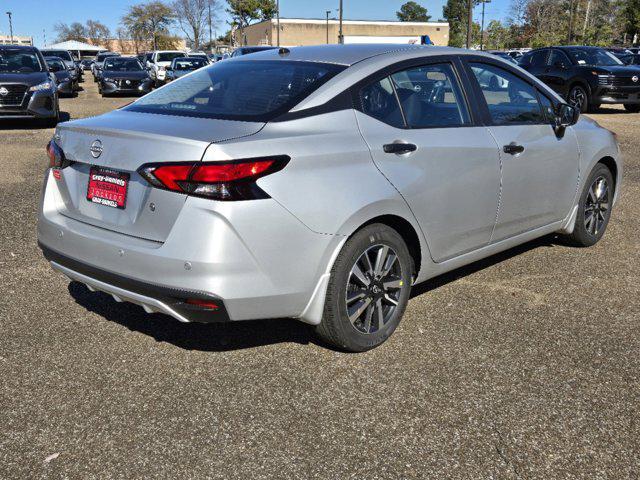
x: 239, y: 90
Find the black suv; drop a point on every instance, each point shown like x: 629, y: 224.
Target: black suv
x: 586, y: 76
x: 27, y: 87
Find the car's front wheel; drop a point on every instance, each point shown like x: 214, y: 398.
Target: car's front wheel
x: 594, y: 209
x: 579, y: 97
x: 368, y: 290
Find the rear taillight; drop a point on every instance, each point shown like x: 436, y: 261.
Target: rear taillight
x: 57, y: 159
x: 56, y: 155
x: 228, y: 180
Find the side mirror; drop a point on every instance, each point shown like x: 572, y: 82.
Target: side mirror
x: 567, y: 115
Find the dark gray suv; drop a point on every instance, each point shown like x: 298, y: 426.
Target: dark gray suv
x: 27, y: 87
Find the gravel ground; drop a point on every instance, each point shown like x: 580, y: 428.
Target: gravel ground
x: 525, y: 365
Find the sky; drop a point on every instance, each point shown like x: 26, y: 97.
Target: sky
x: 38, y: 17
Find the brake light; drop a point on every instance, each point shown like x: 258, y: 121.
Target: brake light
x: 56, y: 156
x: 229, y: 180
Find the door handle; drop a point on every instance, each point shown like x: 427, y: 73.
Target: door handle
x: 513, y: 149
x: 399, y: 148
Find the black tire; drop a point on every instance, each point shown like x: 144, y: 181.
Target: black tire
x: 632, y: 107
x: 336, y: 328
x: 584, y: 235
x: 579, y: 97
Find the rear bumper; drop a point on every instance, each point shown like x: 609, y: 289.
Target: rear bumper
x: 255, y: 257
x: 153, y: 298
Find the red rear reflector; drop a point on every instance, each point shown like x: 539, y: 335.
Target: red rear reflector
x: 207, y: 304
x: 56, y: 174
x: 228, y: 172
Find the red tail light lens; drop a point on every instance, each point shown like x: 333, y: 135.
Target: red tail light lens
x: 55, y: 154
x: 234, y: 180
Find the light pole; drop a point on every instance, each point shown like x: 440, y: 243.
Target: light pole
x: 469, y: 23
x: 278, y: 20
x: 10, y: 26
x: 328, y: 12
x: 482, y: 26
x: 570, y: 22
x: 340, y: 36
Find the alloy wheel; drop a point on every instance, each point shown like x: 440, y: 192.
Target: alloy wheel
x: 596, y: 206
x: 373, y: 289
x: 578, y: 98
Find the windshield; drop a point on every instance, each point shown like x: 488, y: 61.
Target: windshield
x: 122, y: 64
x: 168, y: 56
x: 63, y: 54
x: 19, y: 61
x: 101, y: 56
x: 595, y: 57
x: 251, y: 91
x: 54, y: 63
x: 188, y: 63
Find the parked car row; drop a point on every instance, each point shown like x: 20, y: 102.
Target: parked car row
x: 585, y: 76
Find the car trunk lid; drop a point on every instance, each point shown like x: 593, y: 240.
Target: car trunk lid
x: 122, y: 142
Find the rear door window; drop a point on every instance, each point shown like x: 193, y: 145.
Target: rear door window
x: 510, y: 100
x: 430, y: 97
x: 379, y: 101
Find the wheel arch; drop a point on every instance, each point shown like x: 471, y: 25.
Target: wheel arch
x: 611, y: 164
x: 408, y: 233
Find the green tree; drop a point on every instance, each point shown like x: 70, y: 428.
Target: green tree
x: 413, y: 12
x: 243, y: 12
x: 456, y: 13
x: 631, y: 16
x: 152, y: 21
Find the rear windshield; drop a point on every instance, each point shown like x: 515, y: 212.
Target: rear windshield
x: 239, y: 90
x: 63, y: 54
x: 19, y: 61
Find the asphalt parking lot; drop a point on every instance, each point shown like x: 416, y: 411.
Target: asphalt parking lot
x: 525, y: 365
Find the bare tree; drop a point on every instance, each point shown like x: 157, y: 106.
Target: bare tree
x: 193, y: 18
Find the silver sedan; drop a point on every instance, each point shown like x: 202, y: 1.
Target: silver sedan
x: 320, y: 183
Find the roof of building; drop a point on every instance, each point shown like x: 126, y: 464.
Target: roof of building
x: 75, y: 45
x: 355, y: 22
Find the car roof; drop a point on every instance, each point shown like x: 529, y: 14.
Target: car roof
x: 347, y: 54
x: 17, y: 47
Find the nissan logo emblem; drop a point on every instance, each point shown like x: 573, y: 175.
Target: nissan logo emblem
x: 634, y: 79
x: 4, y: 92
x: 96, y: 149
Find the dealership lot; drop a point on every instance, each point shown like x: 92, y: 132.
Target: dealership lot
x: 523, y: 365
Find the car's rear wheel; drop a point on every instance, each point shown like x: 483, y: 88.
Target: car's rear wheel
x: 579, y: 97
x: 632, y: 107
x: 594, y: 209
x: 368, y: 290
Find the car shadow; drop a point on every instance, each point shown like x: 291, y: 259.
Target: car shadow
x: 206, y: 337
x: 609, y: 110
x: 29, y: 123
x: 446, y: 278
x: 221, y: 337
